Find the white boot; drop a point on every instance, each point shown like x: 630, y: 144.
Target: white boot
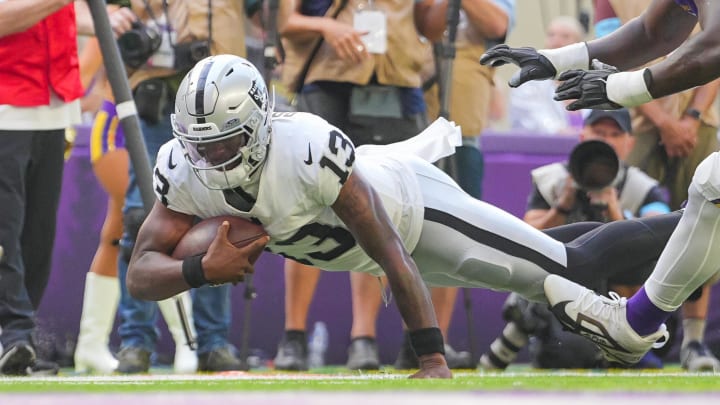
x: 186, y: 360
x: 100, y: 303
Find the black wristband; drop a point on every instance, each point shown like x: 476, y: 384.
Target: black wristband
x: 193, y: 272
x: 648, y: 78
x: 563, y: 211
x: 427, y: 341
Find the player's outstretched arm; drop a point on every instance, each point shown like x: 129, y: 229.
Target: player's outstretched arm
x: 696, y: 61
x: 659, y: 30
x: 362, y: 211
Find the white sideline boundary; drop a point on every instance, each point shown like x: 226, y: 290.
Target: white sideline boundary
x: 270, y: 376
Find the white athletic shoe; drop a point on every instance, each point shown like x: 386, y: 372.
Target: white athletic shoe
x: 600, y: 319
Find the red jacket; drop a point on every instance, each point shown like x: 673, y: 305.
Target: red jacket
x: 43, y: 57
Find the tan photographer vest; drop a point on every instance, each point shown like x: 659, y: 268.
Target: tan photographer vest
x: 399, y: 66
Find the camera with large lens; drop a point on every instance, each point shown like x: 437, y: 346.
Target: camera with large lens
x: 138, y: 44
x: 593, y: 165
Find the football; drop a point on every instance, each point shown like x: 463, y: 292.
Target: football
x: 198, y: 239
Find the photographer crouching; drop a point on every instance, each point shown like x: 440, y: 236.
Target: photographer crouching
x: 593, y: 185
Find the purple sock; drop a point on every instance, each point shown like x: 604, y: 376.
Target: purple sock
x: 643, y: 316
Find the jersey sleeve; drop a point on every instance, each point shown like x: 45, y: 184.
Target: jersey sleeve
x: 335, y: 164
x: 170, y: 169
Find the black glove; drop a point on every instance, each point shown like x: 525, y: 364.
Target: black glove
x: 533, y: 65
x: 587, y: 87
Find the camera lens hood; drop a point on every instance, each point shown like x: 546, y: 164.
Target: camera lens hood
x: 593, y: 165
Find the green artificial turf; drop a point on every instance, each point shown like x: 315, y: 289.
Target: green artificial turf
x: 671, y: 379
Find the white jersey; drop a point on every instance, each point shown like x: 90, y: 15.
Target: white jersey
x: 307, y: 163
x: 455, y: 239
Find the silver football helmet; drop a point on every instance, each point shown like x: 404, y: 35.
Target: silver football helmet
x: 223, y: 120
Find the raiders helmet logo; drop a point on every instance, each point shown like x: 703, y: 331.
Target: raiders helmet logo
x: 257, y: 96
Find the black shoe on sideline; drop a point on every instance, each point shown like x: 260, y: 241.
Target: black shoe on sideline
x: 221, y: 359
x: 363, y: 354
x: 18, y: 359
x: 292, y: 355
x: 458, y: 360
x: 44, y: 368
x: 133, y: 360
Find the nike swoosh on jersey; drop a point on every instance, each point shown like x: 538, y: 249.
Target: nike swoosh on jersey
x: 309, y: 160
x: 171, y: 165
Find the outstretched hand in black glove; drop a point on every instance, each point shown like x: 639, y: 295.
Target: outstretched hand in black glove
x: 533, y: 65
x: 587, y: 87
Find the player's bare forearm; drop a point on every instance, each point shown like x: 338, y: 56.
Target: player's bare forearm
x: 154, y: 276
x: 362, y: 211
x: 657, y: 32
x: 694, y: 64
x: 152, y: 273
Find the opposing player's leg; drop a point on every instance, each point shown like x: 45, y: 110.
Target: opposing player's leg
x: 618, y: 250
x: 686, y: 263
x: 600, y: 319
x: 613, y: 249
x: 568, y: 233
x: 690, y: 258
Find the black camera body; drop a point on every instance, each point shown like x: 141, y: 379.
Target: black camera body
x: 138, y: 44
x: 188, y: 54
x: 593, y: 165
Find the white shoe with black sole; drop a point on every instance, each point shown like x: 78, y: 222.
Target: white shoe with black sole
x: 601, y: 319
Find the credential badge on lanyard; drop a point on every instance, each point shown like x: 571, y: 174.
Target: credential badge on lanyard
x: 164, y: 57
x: 373, y: 21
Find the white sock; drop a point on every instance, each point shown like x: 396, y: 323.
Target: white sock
x: 693, y: 329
